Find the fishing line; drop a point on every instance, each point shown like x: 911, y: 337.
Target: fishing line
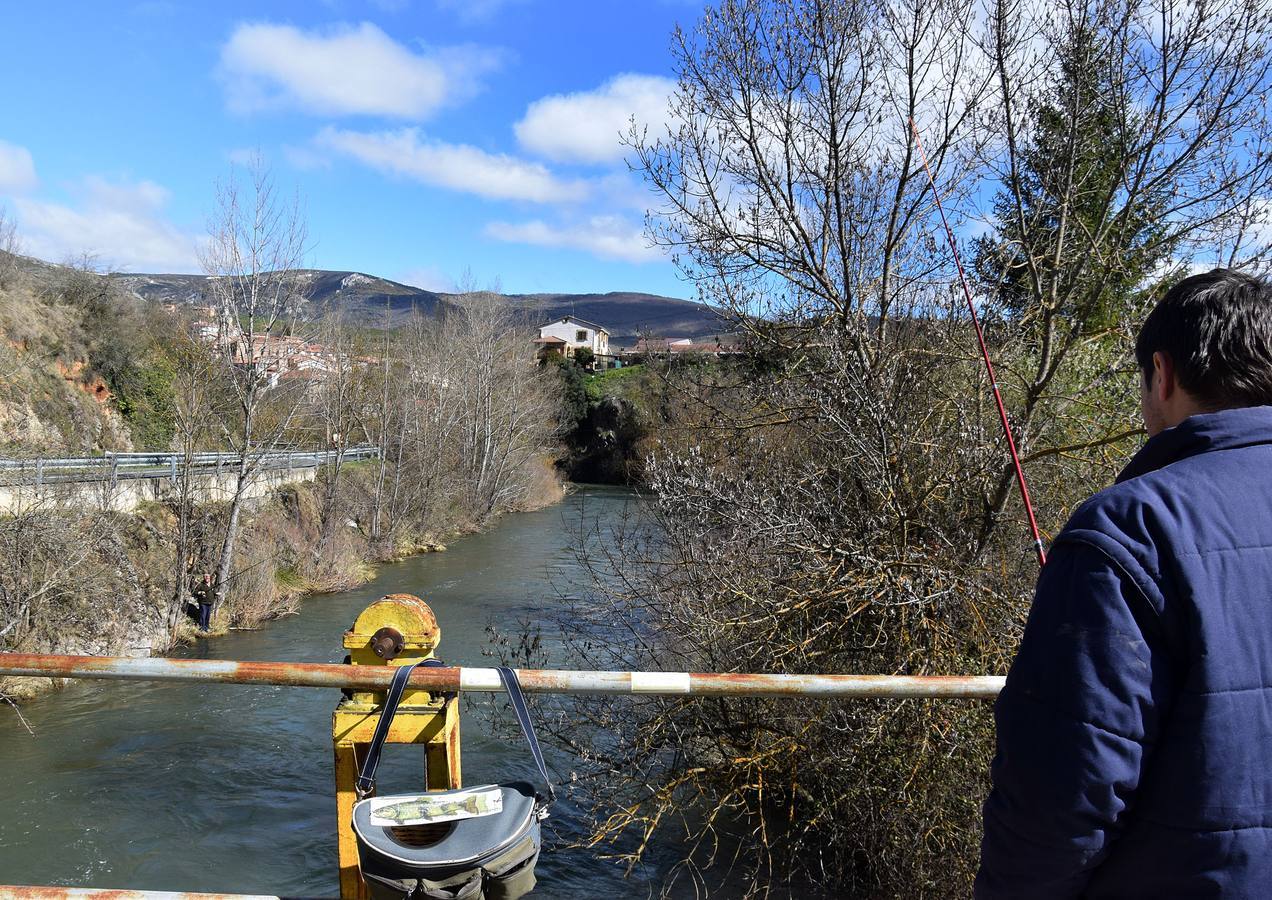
x: 989, y: 366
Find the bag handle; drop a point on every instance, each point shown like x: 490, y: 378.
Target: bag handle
x: 366, y: 778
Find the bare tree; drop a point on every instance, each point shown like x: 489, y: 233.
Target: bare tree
x: 462, y: 414
x: 55, y: 561
x: 257, y: 242
x: 385, y: 422
x: 199, y: 394
x: 789, y: 186
x: 506, y: 404
x: 427, y: 477
x: 10, y: 247
x: 338, y: 396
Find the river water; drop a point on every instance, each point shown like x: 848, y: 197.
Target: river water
x: 213, y: 787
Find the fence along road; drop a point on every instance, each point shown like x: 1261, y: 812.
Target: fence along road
x: 125, y: 466
x: 122, y: 481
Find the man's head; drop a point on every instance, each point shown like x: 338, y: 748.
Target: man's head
x: 1206, y: 346
x: 207, y: 577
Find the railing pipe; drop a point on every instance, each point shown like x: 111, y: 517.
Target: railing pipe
x: 31, y: 892
x: 543, y: 681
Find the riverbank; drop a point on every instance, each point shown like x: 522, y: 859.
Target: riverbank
x: 109, y: 577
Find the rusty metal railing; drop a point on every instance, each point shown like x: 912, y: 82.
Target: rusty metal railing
x: 31, y: 892
x: 544, y: 681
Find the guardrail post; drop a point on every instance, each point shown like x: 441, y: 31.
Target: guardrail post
x: 39, y: 472
x: 396, y: 630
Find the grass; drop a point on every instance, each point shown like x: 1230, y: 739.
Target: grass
x: 609, y: 382
x: 288, y: 579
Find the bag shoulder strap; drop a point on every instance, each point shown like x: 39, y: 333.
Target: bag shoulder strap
x: 509, y: 678
x: 366, y: 778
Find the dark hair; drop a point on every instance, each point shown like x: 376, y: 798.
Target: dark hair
x: 1217, y: 330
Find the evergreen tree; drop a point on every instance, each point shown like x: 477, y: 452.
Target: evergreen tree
x: 1068, y: 243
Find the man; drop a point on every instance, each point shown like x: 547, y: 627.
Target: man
x: 1135, y: 731
x: 202, y: 592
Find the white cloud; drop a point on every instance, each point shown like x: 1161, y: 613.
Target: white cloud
x: 17, y: 169
x: 459, y: 167
x: 608, y: 237
x: 587, y: 126
x: 346, y: 70
x: 122, y: 223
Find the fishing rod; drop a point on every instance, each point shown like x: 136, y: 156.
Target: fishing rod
x: 989, y: 366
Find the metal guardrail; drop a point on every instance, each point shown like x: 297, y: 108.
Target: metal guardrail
x: 542, y: 681
x: 126, y: 466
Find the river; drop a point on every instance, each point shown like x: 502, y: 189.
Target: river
x: 212, y: 787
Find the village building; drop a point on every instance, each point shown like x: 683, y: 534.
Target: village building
x: 663, y: 345
x: 673, y: 346
x: 568, y: 334
x: 278, y: 357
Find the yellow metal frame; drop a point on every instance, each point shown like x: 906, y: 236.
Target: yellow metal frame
x: 421, y: 719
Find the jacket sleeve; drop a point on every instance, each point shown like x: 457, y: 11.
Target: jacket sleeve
x: 1076, y: 721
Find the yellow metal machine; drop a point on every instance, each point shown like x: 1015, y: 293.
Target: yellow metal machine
x: 396, y: 630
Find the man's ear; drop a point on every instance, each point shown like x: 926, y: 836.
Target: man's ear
x: 1164, y: 384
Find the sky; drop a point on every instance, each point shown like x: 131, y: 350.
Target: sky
x: 434, y: 142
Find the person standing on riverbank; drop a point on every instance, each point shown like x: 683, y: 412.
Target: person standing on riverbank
x: 1135, y: 729
x: 202, y: 592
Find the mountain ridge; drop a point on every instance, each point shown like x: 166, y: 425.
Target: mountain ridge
x: 627, y: 315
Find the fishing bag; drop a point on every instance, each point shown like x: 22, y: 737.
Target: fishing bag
x: 487, y: 857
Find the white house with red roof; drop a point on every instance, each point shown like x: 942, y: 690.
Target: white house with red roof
x: 569, y: 333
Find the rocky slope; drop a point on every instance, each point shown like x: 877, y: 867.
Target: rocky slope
x: 51, y: 399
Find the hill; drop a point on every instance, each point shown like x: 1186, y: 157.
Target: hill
x: 627, y: 315
x: 363, y: 296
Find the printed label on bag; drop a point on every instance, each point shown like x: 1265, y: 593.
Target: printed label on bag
x: 445, y: 806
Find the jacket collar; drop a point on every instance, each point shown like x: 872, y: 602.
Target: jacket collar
x: 1223, y: 430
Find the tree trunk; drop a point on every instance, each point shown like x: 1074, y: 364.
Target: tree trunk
x: 181, y: 561
x: 226, y: 561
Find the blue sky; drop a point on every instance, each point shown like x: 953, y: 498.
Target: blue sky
x: 427, y: 138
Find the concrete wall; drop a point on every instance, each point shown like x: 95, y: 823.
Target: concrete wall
x: 127, y: 494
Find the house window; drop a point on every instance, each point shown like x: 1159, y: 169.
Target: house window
x: 580, y: 336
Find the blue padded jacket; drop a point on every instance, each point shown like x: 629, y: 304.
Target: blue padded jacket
x: 1135, y: 731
